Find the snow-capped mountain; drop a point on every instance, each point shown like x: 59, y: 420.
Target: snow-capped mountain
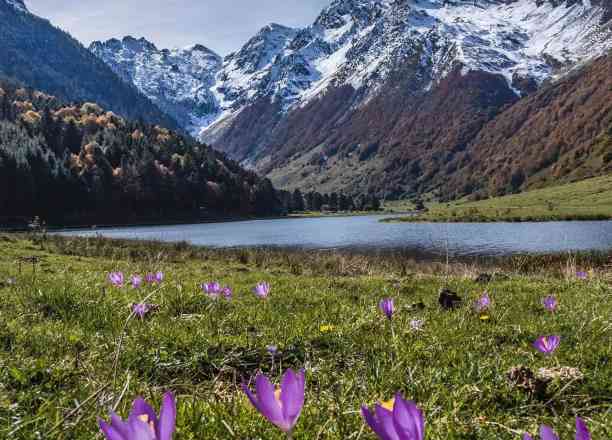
x: 290, y: 92
x: 18, y: 4
x: 179, y: 81
x: 359, y: 43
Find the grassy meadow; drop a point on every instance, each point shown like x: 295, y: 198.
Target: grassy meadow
x: 69, y: 350
x: 589, y: 199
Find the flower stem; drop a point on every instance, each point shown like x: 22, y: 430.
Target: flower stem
x: 396, y: 354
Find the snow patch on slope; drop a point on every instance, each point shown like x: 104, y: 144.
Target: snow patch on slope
x: 359, y: 43
x: 17, y: 4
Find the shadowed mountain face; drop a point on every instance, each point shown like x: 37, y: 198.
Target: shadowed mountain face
x: 377, y: 95
x: 39, y: 55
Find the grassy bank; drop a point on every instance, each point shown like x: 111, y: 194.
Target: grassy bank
x: 68, y: 351
x: 589, y: 199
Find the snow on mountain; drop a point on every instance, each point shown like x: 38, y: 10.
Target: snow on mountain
x: 178, y: 80
x: 17, y: 4
x: 360, y: 43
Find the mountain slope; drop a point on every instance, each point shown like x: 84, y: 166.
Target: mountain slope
x: 79, y: 164
x: 385, y: 95
x: 178, y: 81
x: 561, y: 133
x: 41, y: 56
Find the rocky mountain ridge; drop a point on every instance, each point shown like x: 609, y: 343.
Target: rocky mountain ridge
x: 292, y: 97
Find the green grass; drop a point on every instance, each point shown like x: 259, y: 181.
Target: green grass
x: 60, y: 328
x: 589, y: 199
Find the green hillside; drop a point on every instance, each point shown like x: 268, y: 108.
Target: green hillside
x: 590, y: 199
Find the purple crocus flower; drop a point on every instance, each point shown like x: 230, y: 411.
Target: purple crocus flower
x: 159, y: 277
x: 272, y: 350
x: 143, y: 423
x: 227, y: 292
x: 582, y: 275
x: 212, y: 289
x: 483, y: 303
x: 136, y: 281
x: 116, y: 279
x: 550, y: 303
x: 283, y: 406
x: 262, y: 290
x: 398, y: 419
x: 387, y: 306
x: 155, y: 278
x: 547, y: 344
x: 546, y: 432
x: 582, y: 432
x: 142, y: 309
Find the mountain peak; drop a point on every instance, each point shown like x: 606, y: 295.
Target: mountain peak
x: 138, y: 44
x: 17, y: 4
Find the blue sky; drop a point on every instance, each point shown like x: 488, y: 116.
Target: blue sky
x: 222, y: 25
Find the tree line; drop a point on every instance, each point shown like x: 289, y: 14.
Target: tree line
x: 77, y: 163
x: 297, y: 201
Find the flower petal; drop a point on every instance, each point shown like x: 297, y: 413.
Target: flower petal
x: 408, y: 419
x: 546, y: 433
x: 373, y: 423
x: 527, y: 437
x: 118, y: 424
x: 582, y: 432
x: 167, y: 418
x: 109, y: 431
x: 292, y: 396
x: 139, y: 408
x: 385, y: 422
x: 141, y: 431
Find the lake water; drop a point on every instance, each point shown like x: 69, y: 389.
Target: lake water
x: 367, y: 232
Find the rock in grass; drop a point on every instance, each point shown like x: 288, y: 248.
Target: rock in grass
x: 416, y: 307
x: 448, y: 299
x: 523, y: 378
x: 483, y: 278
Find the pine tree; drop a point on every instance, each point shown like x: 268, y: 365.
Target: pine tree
x: 297, y: 202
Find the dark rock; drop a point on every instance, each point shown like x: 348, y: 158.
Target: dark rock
x: 524, y: 379
x: 418, y: 306
x: 448, y: 299
x: 483, y: 278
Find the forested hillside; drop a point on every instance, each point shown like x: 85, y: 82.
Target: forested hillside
x: 79, y: 163
x: 41, y: 56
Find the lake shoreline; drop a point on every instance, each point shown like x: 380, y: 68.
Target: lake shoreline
x: 5, y: 228
x: 368, y: 234
x: 416, y: 218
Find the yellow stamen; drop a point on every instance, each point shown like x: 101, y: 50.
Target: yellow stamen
x: 277, y: 396
x: 388, y: 405
x: 145, y: 418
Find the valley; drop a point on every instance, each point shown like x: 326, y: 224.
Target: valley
x: 353, y: 102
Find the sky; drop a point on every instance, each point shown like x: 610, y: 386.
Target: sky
x: 221, y: 25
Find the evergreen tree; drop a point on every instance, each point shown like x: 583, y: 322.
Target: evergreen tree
x: 297, y: 204
x: 333, y: 202
x: 72, y: 138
